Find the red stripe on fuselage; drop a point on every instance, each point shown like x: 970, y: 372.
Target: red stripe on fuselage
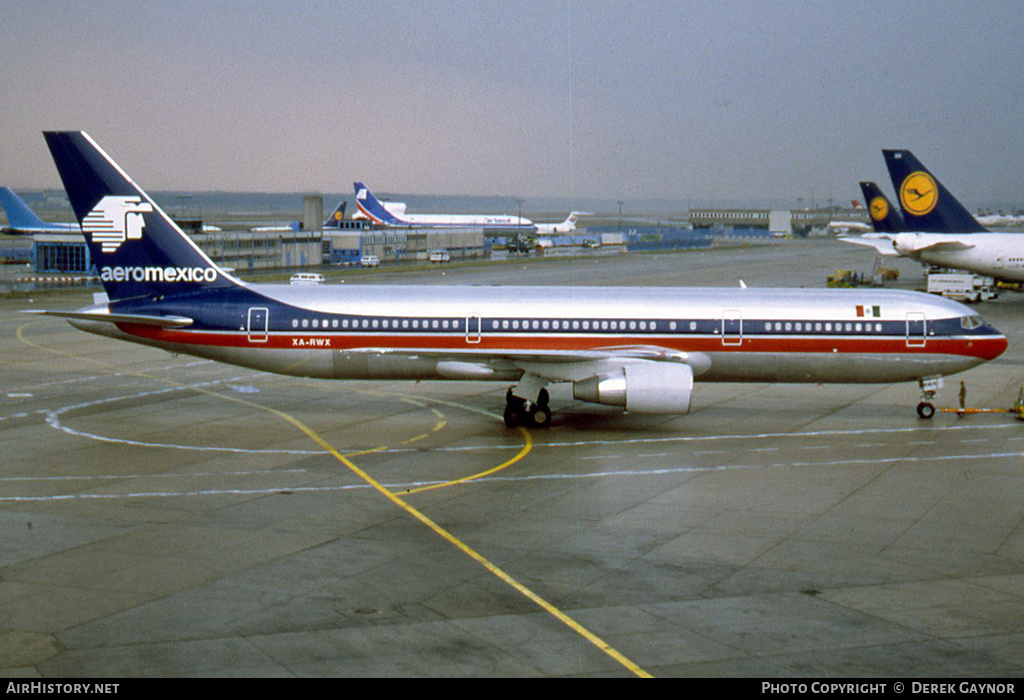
x: 984, y: 347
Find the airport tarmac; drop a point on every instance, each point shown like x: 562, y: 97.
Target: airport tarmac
x: 169, y: 516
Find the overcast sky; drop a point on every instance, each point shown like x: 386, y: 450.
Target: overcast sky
x: 720, y: 100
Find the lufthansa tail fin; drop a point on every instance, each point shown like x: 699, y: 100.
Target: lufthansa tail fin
x: 927, y: 205
x: 137, y: 249
x: 335, y: 219
x: 372, y: 207
x: 884, y: 217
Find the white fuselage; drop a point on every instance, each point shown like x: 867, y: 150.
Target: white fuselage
x: 570, y: 333
x: 999, y: 255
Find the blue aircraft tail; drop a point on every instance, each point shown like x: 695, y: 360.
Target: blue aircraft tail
x: 137, y: 249
x: 884, y: 216
x: 335, y: 219
x: 18, y: 213
x: 927, y: 205
x: 372, y: 207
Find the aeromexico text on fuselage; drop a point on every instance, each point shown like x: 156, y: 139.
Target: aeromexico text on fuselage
x: 158, y: 274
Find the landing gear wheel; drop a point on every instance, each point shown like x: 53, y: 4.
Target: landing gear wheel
x: 539, y: 416
x: 925, y: 410
x: 519, y: 412
x: 515, y: 412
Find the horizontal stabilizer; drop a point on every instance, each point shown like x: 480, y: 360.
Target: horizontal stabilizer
x: 140, y: 319
x: 882, y: 245
x: 948, y: 246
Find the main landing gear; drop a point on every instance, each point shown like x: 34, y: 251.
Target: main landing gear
x: 520, y: 411
x: 929, y: 388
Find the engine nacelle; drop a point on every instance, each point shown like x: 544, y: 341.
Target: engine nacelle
x: 641, y: 387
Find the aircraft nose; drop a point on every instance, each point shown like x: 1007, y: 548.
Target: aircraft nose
x: 993, y: 347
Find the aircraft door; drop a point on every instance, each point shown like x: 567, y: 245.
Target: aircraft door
x: 258, y: 324
x: 473, y: 328
x: 732, y: 327
x: 917, y: 329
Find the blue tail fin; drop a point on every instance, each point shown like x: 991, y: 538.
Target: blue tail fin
x: 927, y: 205
x: 21, y: 219
x: 372, y: 207
x: 884, y: 216
x: 335, y: 219
x: 137, y: 249
x: 18, y: 213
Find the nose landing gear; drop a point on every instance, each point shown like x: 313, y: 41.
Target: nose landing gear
x: 929, y: 388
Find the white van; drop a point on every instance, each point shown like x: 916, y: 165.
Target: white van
x: 440, y: 256
x: 307, y: 278
x: 370, y: 261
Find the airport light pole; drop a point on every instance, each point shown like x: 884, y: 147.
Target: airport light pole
x: 519, y: 224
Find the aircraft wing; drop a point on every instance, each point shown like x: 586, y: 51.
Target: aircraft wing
x: 553, y: 365
x: 141, y: 319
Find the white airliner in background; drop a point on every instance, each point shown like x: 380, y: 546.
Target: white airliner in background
x: 938, y: 230
x: 637, y: 348
x: 393, y: 214
x: 567, y: 226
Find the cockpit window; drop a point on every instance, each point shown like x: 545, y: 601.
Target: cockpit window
x: 970, y: 321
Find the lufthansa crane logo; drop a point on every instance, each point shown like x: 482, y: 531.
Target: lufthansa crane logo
x: 879, y: 208
x: 919, y: 193
x: 116, y: 219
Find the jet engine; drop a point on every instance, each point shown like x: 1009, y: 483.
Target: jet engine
x: 641, y: 387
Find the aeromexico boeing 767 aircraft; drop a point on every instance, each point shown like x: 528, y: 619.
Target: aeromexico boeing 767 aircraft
x: 638, y: 348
